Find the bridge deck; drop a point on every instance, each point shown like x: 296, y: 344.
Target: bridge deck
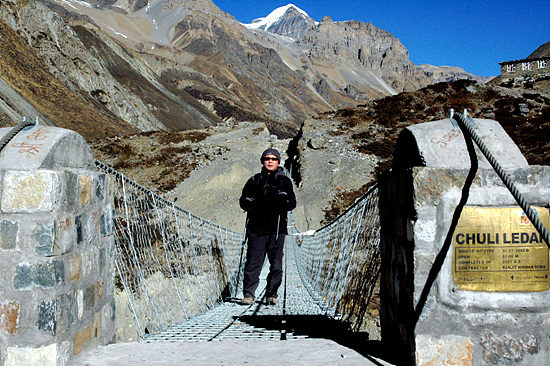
x: 233, y: 335
x: 231, y: 320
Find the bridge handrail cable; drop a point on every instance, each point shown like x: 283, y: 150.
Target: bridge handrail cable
x: 172, y: 263
x: 468, y: 123
x: 340, y: 262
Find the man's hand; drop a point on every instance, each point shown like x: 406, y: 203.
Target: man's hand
x: 248, y: 203
x: 282, y: 198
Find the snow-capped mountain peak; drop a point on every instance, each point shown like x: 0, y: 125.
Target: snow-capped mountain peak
x: 278, y: 21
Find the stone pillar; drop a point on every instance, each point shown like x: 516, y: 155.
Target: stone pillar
x: 56, y: 249
x: 472, y: 291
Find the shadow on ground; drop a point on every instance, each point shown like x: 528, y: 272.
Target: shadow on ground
x: 319, y: 326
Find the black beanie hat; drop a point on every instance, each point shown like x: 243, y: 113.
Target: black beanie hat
x: 272, y: 152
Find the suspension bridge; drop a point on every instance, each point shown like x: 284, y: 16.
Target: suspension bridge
x: 183, y: 274
x: 183, y: 278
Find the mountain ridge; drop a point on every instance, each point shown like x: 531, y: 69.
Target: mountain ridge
x: 177, y: 64
x: 208, y: 38
x: 542, y: 51
x: 287, y: 21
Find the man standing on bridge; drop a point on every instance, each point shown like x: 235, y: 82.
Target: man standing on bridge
x: 267, y: 197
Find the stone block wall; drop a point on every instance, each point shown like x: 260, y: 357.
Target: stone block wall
x: 56, y: 249
x: 448, y: 325
x: 537, y: 67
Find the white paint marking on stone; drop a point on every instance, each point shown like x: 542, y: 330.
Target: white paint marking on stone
x: 43, y: 356
x: 425, y: 230
x: 80, y: 303
x: 34, y: 191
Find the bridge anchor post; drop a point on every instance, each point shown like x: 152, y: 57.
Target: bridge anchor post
x: 56, y: 249
x: 465, y: 277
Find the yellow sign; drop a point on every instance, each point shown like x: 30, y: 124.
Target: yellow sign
x: 498, y: 249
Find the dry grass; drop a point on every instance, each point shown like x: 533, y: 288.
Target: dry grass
x: 374, y: 129
x: 159, y: 160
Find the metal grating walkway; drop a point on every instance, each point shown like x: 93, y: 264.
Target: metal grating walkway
x: 231, y: 320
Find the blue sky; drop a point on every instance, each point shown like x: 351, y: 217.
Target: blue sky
x: 474, y: 35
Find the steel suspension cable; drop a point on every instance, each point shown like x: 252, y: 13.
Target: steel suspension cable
x: 14, y: 131
x: 468, y: 123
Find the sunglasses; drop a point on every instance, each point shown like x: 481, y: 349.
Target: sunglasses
x: 272, y: 159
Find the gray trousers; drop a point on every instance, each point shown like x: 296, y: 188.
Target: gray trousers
x: 258, y: 247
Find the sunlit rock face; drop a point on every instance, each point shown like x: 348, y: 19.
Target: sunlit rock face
x: 179, y: 64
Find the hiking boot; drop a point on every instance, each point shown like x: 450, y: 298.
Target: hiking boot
x: 271, y: 300
x: 247, y: 301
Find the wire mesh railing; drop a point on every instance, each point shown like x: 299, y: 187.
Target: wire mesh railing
x: 340, y: 263
x: 171, y: 263
x: 174, y: 265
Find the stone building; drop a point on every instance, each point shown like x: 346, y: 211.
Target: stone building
x: 530, y: 67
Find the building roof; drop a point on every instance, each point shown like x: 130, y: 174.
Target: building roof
x: 524, y: 60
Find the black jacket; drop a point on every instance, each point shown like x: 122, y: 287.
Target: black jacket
x: 266, y: 198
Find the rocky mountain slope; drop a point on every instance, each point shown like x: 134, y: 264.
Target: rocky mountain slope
x: 334, y: 158
x: 99, y: 71
x: 542, y: 51
x: 201, y: 71
x: 184, y: 64
x: 27, y: 88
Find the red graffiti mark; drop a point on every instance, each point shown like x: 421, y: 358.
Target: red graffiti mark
x: 524, y: 219
x: 65, y: 224
x: 26, y: 148
x: 474, y: 217
x: 448, y: 137
x: 40, y: 134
